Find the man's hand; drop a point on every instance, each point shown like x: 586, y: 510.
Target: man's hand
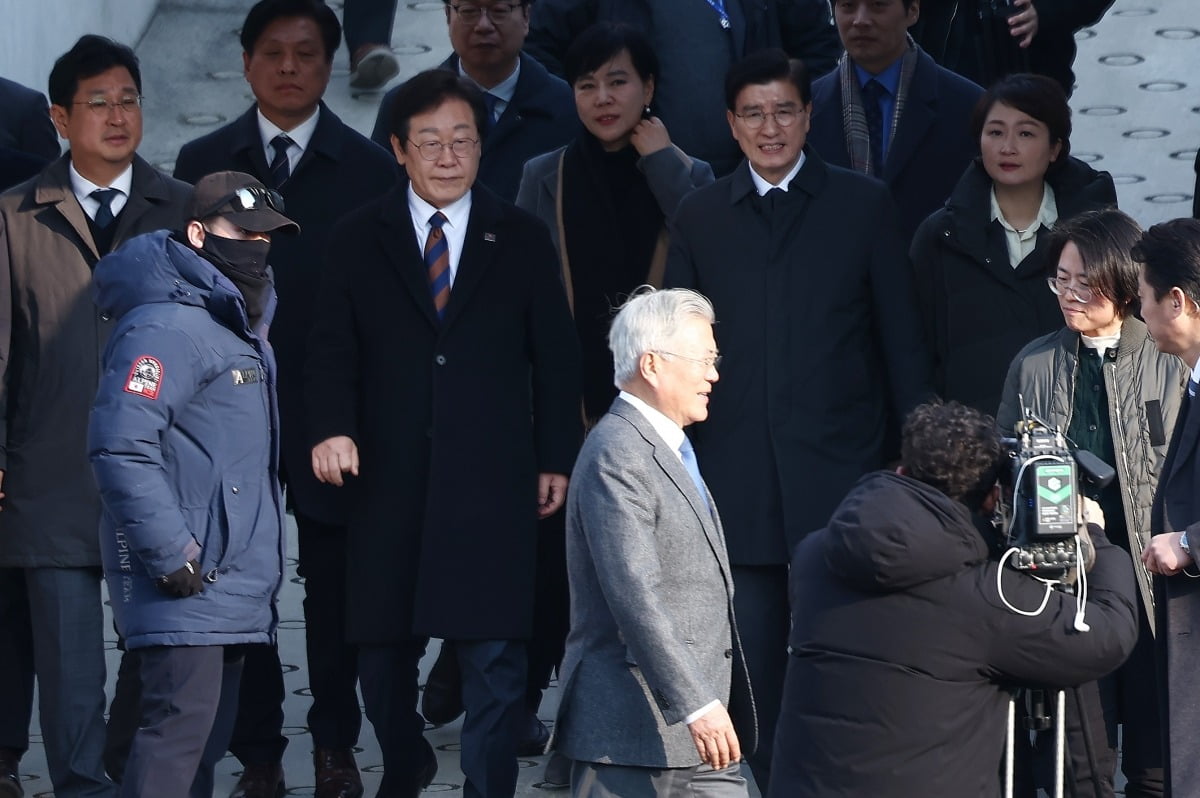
x: 552, y: 490
x: 650, y: 136
x: 715, y: 738
x: 183, y: 583
x: 1164, y: 555
x: 1024, y: 25
x: 333, y: 457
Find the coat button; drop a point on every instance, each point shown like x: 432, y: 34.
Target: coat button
x: 105, y: 317
x: 729, y: 653
x: 440, y: 360
x: 235, y: 489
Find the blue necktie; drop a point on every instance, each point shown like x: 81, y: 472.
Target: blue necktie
x: 104, y: 215
x: 1192, y: 387
x: 437, y: 263
x: 872, y: 94
x: 489, y: 101
x: 688, y: 454
x: 281, y: 169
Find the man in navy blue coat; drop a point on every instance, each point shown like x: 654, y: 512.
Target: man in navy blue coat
x: 25, y: 124
x: 923, y: 109
x: 530, y: 111
x: 330, y: 169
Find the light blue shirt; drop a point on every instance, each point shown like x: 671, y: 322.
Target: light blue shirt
x: 890, y: 80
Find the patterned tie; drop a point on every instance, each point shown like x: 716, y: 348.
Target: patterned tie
x: 1192, y: 386
x: 872, y: 93
x: 693, y: 468
x: 437, y: 261
x: 104, y: 214
x: 490, y: 100
x: 281, y: 169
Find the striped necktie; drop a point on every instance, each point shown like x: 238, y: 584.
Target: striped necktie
x: 437, y: 262
x: 281, y: 169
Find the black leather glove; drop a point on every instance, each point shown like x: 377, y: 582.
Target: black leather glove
x: 185, y: 582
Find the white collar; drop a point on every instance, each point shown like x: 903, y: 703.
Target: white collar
x: 667, y: 429
x: 457, y: 213
x: 300, y: 135
x: 1047, y: 214
x: 82, y: 187
x: 762, y: 186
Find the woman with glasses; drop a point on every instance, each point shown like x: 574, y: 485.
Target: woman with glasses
x: 1103, y: 382
x: 607, y: 196
x: 980, y: 260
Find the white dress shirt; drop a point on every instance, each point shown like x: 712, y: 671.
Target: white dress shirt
x: 457, y: 214
x: 1022, y: 242
x: 762, y: 186
x: 300, y: 135
x: 82, y: 188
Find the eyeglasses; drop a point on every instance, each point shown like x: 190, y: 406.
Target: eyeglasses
x: 100, y: 106
x: 497, y: 13
x: 250, y: 198
x: 432, y: 150
x: 713, y: 362
x: 1061, y: 287
x: 784, y: 117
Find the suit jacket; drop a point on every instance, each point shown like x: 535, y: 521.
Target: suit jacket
x: 339, y: 171
x: 652, y: 637
x: 1177, y: 598
x: 25, y: 124
x: 442, y: 528
x: 51, y: 341
x: 540, y: 117
x: 932, y: 145
x: 817, y: 321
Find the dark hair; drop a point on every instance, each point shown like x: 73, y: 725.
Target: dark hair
x: 426, y: 91
x: 89, y: 57
x: 1170, y: 253
x: 1105, y: 238
x: 766, y: 66
x: 267, y: 11
x: 1036, y: 96
x: 603, y: 42
x: 953, y: 448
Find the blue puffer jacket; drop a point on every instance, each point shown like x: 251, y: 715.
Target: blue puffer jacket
x: 183, y: 440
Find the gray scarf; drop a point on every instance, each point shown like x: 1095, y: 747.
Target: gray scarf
x: 854, y: 118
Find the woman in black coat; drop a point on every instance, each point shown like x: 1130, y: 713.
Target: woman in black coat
x: 980, y: 261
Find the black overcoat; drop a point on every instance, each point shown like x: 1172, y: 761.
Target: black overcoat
x: 339, y: 171
x: 453, y: 420
x: 816, y: 318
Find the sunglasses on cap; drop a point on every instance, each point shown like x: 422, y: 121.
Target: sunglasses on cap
x: 248, y: 198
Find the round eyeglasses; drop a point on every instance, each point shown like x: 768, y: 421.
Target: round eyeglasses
x: 784, y: 117
x: 432, y: 150
x: 713, y: 362
x: 1061, y: 287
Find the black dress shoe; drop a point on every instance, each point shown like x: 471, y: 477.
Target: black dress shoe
x: 10, y: 775
x: 260, y: 781
x: 426, y: 774
x: 534, y: 738
x: 337, y: 774
x: 442, y: 701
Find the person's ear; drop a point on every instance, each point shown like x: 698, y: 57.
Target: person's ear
x: 195, y: 233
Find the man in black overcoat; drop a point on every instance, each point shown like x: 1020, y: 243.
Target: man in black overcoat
x: 330, y: 169
x: 25, y: 124
x: 443, y: 375
x: 805, y: 267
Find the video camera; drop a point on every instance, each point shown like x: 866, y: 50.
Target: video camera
x: 1044, y: 477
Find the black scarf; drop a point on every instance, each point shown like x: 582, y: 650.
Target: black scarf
x: 611, y: 223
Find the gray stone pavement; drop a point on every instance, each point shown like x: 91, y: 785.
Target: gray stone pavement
x: 1137, y: 115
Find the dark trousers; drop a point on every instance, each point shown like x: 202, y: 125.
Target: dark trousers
x: 334, y: 718
x: 52, y: 624
x: 368, y: 22
x: 551, y: 608
x: 760, y: 604
x: 188, y: 703
x: 493, y: 673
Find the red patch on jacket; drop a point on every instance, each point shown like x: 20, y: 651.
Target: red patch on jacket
x: 145, y: 378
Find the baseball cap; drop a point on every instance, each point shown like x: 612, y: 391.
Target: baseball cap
x: 242, y: 200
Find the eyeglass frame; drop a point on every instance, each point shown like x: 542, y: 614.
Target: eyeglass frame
x: 1058, y: 290
x: 442, y: 146
x: 794, y: 112
x: 102, y: 106
x: 272, y: 198
x: 713, y: 362
x: 482, y: 10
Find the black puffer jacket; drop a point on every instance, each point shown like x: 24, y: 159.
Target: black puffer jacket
x: 978, y: 310
x: 900, y: 645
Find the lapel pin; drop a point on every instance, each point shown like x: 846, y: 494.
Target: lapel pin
x: 489, y: 237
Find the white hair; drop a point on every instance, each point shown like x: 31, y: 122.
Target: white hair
x: 647, y: 321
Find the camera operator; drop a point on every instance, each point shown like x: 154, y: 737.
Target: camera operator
x: 901, y: 644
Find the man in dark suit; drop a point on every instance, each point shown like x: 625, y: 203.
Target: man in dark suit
x: 1169, y: 290
x: 530, y: 111
x: 442, y: 325
x: 25, y: 124
x: 888, y: 110
x: 805, y: 265
x: 649, y: 669
x: 327, y: 169
x: 53, y: 230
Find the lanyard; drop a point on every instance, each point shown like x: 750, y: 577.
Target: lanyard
x: 719, y: 7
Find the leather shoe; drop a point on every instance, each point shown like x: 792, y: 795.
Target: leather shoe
x: 425, y: 775
x: 534, y: 737
x: 558, y: 773
x: 10, y: 775
x: 442, y: 701
x: 260, y: 781
x: 337, y: 773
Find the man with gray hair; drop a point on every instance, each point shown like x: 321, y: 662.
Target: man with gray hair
x: 648, y: 669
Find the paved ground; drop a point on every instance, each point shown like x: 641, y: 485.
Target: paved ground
x: 1136, y: 116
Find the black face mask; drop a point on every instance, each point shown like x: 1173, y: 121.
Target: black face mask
x: 245, y: 264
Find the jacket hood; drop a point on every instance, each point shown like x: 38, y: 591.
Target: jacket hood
x: 154, y: 268
x: 893, y: 532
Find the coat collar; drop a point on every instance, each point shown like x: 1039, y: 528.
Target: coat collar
x: 530, y: 97
x: 810, y: 180
x: 327, y: 140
